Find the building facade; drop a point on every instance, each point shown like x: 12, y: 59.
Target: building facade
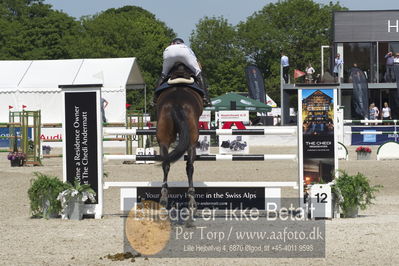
x: 362, y: 38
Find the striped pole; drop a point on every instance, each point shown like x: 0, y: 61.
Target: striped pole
x: 218, y: 132
x: 208, y: 157
x: 369, y: 121
x: 371, y: 132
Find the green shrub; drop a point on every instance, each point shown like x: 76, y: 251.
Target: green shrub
x: 43, y: 195
x: 355, y: 190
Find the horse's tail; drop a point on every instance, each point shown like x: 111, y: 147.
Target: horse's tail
x: 180, y: 121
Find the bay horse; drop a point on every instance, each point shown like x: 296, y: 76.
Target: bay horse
x: 178, y: 110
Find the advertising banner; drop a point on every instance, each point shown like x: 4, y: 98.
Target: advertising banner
x: 237, y: 144
x: 359, y: 139
x: 5, y: 132
x: 82, y: 140
x: 360, y: 93
x: 256, y: 86
x: 318, y: 138
x: 204, y: 141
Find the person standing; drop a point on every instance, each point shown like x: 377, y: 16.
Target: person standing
x: 373, y: 112
x: 286, y: 65
x: 386, y: 112
x: 389, y: 65
x: 104, y: 103
x: 309, y: 73
x: 338, y: 63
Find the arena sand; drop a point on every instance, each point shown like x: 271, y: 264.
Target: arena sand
x: 371, y: 239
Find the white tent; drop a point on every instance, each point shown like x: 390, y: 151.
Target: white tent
x: 35, y: 84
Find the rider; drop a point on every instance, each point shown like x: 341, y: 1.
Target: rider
x: 176, y: 52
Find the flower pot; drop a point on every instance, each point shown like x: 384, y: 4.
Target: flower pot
x: 15, y: 162
x: 363, y: 155
x: 351, y: 212
x: 46, y: 210
x: 75, y: 209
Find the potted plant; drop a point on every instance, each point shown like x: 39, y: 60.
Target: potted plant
x: 363, y: 153
x: 17, y: 158
x: 43, y: 195
x: 73, y: 198
x: 352, y: 192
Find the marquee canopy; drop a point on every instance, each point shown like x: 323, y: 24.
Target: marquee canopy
x: 35, y: 84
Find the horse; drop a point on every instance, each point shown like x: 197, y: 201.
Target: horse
x: 178, y: 110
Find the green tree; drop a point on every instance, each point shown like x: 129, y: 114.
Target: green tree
x: 299, y: 27
x: 129, y: 31
x: 215, y: 43
x: 32, y: 30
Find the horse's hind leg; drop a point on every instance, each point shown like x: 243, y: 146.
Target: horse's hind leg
x: 165, y: 167
x: 192, y: 205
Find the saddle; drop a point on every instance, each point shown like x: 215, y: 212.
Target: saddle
x: 180, y: 75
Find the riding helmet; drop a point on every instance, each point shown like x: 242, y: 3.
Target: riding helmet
x: 177, y: 41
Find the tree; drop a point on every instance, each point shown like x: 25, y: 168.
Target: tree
x: 299, y: 27
x: 32, y: 30
x: 129, y: 31
x: 215, y: 43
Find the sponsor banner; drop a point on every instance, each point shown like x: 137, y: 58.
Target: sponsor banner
x: 230, y: 116
x: 204, y: 141
x: 318, y: 138
x: 5, y: 132
x: 81, y: 138
x: 256, y: 86
x: 233, y: 144
x: 208, y: 197
x: 358, y: 139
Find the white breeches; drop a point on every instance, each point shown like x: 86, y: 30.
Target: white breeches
x: 179, y: 53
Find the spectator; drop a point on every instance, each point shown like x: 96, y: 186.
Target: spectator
x: 386, y: 113
x: 338, y: 63
x: 373, y: 112
x: 104, y: 103
x: 389, y: 65
x: 286, y: 65
x: 309, y: 74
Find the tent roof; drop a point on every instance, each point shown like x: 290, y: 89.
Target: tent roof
x: 242, y: 103
x: 47, y: 75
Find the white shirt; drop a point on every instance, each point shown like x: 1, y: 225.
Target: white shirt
x: 179, y: 53
x: 284, y: 61
x: 386, y: 112
x: 310, y: 70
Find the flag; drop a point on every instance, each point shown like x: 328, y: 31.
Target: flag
x: 360, y: 92
x: 128, y: 105
x: 23, y: 106
x: 298, y: 73
x: 256, y: 86
x: 10, y: 107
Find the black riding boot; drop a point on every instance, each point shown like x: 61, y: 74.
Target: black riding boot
x: 205, y: 97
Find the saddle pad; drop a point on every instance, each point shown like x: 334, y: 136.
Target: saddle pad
x: 180, y: 81
x: 193, y: 86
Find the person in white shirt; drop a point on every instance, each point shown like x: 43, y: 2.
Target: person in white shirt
x: 338, y: 66
x: 286, y: 65
x: 309, y: 73
x: 179, y: 52
x: 386, y: 112
x: 374, y: 112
